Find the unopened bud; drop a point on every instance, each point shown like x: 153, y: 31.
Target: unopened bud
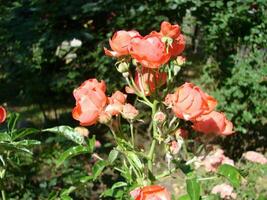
x: 134, y: 61
x: 104, y: 118
x: 180, y: 60
x: 125, y: 74
x: 123, y: 67
x: 159, y: 117
x: 129, y: 111
x: 175, y: 146
x: 82, y: 131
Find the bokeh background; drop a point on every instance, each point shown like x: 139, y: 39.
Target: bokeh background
x: 226, y: 53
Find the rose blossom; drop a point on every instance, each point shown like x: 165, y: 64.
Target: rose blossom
x: 169, y: 30
x: 255, y: 157
x: 151, y: 192
x: 90, y: 101
x: 225, y: 191
x: 2, y: 114
x: 116, y: 102
x: 149, y: 51
x: 119, y: 43
x: 147, y: 81
x: 189, y: 102
x: 213, y: 160
x: 213, y: 122
x: 177, y: 46
x: 173, y: 31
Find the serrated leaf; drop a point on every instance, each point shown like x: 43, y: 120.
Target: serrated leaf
x: 71, y: 152
x: 67, y: 132
x: 98, y: 168
x: 113, y: 156
x: 193, y: 187
x: 231, y: 173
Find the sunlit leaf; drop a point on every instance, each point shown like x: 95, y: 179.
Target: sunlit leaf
x: 113, y: 156
x: 98, y: 168
x: 231, y: 173
x: 193, y: 187
x: 67, y: 132
x: 71, y: 152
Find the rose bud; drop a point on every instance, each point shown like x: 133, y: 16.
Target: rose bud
x: 129, y: 111
x: 159, y: 117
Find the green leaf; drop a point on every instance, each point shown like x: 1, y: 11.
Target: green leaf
x: 113, y: 155
x: 27, y: 143
x: 184, y: 197
x: 5, y: 137
x: 12, y: 121
x: 98, y: 168
x: 66, y: 192
x: 91, y: 144
x: 23, y: 132
x: 118, y: 185
x: 13, y: 147
x: 231, y: 173
x: 193, y: 187
x: 67, y: 132
x: 71, y: 152
x: 133, y: 159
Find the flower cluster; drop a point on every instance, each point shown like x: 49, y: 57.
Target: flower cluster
x: 149, y: 65
x: 92, y: 104
x: 152, y: 50
x: 189, y: 102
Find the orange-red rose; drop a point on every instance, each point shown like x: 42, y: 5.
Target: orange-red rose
x: 90, y: 101
x: 120, y: 43
x: 213, y: 122
x: 189, y: 102
x: 2, y: 114
x: 177, y: 46
x: 149, y: 51
x: 152, y: 192
x: 169, y: 30
x: 173, y: 31
x: 148, y: 80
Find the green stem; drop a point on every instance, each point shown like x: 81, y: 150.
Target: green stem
x: 132, y: 132
x: 3, y: 194
x: 153, y: 144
